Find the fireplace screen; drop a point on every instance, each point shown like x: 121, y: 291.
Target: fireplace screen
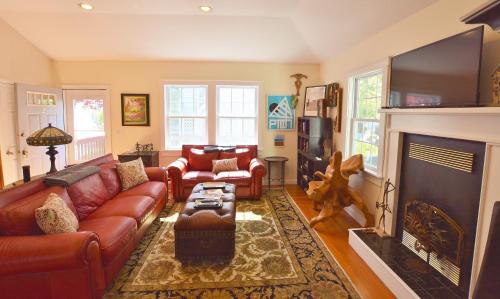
x: 435, y: 237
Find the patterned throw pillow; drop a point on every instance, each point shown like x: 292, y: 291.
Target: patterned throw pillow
x: 55, y: 217
x: 131, y: 173
x: 224, y: 165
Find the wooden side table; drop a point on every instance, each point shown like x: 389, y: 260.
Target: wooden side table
x: 281, y: 179
x: 150, y: 159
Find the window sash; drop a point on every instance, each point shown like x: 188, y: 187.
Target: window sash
x: 175, y: 141
x: 366, y: 141
x: 237, y: 134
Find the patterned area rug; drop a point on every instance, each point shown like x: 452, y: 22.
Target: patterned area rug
x: 277, y: 256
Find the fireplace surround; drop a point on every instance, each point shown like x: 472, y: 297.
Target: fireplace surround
x: 476, y: 127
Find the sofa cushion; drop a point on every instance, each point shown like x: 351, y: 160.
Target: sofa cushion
x: 131, y: 173
x: 153, y: 189
x: 55, y: 217
x: 199, y: 175
x: 244, y: 157
x: 200, y: 161
x: 110, y: 178
x: 18, y: 217
x: 240, y: 176
x: 114, y: 234
x: 137, y: 207
x: 88, y: 194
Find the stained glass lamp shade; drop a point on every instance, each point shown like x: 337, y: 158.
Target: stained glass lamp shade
x: 49, y: 136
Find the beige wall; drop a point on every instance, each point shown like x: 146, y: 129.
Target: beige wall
x: 147, y: 77
x: 21, y: 61
x: 433, y: 23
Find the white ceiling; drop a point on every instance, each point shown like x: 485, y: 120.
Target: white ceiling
x: 236, y: 30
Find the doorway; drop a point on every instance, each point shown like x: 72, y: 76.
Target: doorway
x: 88, y: 121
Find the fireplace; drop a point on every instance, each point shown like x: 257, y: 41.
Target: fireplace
x: 439, y: 193
x: 435, y: 237
x: 445, y: 164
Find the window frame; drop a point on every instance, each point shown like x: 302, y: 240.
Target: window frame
x: 217, y: 113
x: 166, y: 117
x: 382, y: 68
x: 211, y: 109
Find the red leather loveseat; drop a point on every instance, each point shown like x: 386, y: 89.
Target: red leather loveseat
x: 195, y: 166
x: 81, y: 264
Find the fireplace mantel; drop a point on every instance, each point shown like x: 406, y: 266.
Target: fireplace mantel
x: 474, y: 123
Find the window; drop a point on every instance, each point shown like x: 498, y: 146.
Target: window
x: 186, y: 115
x: 236, y: 114
x: 211, y: 112
x: 366, y: 99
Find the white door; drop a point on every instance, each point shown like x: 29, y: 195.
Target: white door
x: 88, y: 121
x: 37, y: 107
x: 8, y: 134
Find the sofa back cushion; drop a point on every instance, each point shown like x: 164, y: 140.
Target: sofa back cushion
x: 244, y: 156
x: 200, y: 161
x: 88, y: 194
x: 18, y: 217
x: 110, y: 178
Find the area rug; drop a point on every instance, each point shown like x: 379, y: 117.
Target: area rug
x: 277, y: 256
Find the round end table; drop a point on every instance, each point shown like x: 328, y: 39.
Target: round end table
x: 281, y: 179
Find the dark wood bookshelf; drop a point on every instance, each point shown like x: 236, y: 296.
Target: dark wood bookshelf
x: 313, y: 133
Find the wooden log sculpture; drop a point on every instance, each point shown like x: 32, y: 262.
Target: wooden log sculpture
x: 332, y: 194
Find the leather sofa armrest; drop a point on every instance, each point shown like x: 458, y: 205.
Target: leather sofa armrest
x: 178, y: 168
x: 45, y: 253
x: 158, y: 174
x: 257, y: 168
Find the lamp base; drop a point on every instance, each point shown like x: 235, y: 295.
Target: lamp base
x: 52, y: 154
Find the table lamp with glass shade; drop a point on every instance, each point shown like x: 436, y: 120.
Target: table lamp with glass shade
x: 50, y: 136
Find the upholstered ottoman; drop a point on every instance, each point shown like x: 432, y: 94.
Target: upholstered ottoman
x: 206, y: 233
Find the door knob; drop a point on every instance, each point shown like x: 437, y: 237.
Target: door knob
x: 9, y: 152
x: 24, y: 152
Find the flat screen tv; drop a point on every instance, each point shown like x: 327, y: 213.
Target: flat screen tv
x: 441, y: 74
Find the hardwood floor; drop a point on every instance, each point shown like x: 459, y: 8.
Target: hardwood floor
x: 334, y: 234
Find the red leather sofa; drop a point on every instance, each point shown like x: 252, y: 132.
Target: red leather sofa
x: 81, y: 264
x: 195, y: 167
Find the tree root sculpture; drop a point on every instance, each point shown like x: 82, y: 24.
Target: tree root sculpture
x: 332, y: 194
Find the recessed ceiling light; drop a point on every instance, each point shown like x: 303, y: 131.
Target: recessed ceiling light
x: 205, y: 8
x: 85, y: 6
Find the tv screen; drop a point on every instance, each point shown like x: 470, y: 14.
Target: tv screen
x: 442, y: 74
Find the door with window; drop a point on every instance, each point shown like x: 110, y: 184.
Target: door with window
x: 37, y: 107
x: 88, y: 121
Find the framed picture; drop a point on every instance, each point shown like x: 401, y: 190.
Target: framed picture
x: 280, y: 115
x: 312, y: 100
x: 135, y: 109
x: 333, y: 93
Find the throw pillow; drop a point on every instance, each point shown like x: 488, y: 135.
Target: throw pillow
x: 244, y: 158
x: 131, y: 173
x: 200, y: 161
x: 55, y: 217
x: 225, y: 165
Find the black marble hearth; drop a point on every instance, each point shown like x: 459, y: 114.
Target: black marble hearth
x: 404, y: 263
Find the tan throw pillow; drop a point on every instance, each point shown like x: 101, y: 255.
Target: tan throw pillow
x: 224, y: 165
x: 131, y: 173
x: 55, y: 217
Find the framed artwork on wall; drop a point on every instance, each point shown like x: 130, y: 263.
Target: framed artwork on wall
x: 135, y: 109
x: 313, y: 100
x: 280, y: 115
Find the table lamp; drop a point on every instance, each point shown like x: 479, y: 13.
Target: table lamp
x: 50, y: 136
